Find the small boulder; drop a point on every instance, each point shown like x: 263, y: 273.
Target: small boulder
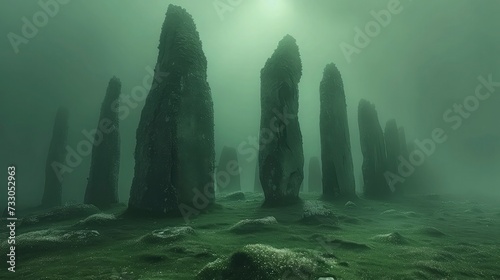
x: 317, y: 213
x: 263, y: 262
x: 350, y: 204
x: 99, y: 219
x: 253, y: 225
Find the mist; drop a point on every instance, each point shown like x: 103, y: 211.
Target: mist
x: 429, y: 57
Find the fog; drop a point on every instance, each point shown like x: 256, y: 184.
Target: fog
x: 421, y: 62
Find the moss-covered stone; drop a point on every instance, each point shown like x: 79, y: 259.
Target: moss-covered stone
x: 263, y: 262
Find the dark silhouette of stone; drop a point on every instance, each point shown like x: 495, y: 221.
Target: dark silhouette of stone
x: 336, y: 158
x: 174, y: 156
x: 374, y: 153
x: 102, y: 185
x: 315, y: 184
x: 54, y: 167
x: 228, y: 171
x: 281, y: 158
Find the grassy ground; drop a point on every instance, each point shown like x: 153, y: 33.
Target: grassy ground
x: 418, y: 238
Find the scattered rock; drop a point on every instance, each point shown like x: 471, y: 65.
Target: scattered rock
x: 167, y: 235
x: 263, y: 262
x: 391, y: 238
x: 100, y: 219
x: 253, y: 225
x: 350, y: 204
x: 317, y: 213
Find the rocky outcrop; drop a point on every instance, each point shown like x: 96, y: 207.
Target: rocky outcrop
x: 374, y: 153
x: 228, y: 171
x: 336, y: 158
x: 54, y: 166
x: 315, y: 185
x: 281, y: 159
x: 174, y: 155
x: 102, y: 185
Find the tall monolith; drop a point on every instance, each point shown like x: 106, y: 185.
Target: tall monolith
x: 281, y: 158
x: 336, y: 158
x: 102, y: 185
x: 55, y: 164
x: 314, y: 177
x: 374, y: 152
x: 174, y: 155
x: 228, y: 171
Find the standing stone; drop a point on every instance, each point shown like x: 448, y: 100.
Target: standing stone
x: 174, y: 155
x: 55, y: 164
x: 281, y: 158
x: 315, y: 184
x: 336, y: 158
x: 102, y: 186
x: 374, y: 153
x: 228, y: 171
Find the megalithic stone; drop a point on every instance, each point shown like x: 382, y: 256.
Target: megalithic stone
x: 257, y: 187
x: 55, y: 166
x: 374, y: 153
x: 281, y: 158
x: 315, y: 182
x: 228, y: 171
x: 102, y: 185
x: 174, y: 155
x: 336, y: 158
